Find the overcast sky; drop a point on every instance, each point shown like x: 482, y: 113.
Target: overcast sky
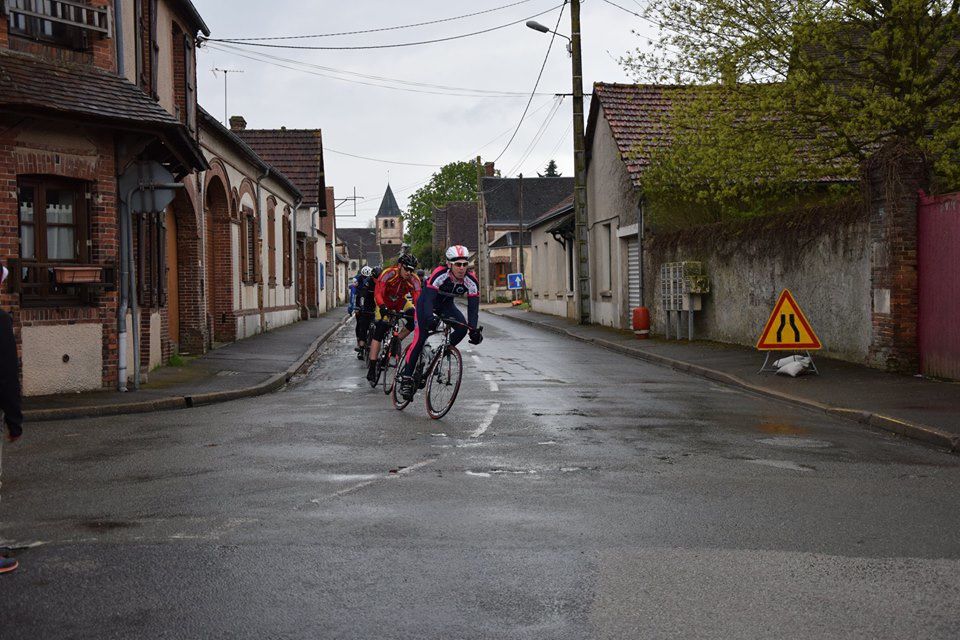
x: 421, y: 125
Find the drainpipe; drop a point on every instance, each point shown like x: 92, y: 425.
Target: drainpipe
x: 118, y: 34
x: 263, y: 324
x: 293, y: 255
x: 124, y: 278
x: 640, y: 249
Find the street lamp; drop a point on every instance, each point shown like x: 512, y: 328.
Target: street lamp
x: 579, y: 160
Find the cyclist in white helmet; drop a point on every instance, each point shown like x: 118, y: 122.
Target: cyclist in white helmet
x: 365, y: 305
x: 447, y: 282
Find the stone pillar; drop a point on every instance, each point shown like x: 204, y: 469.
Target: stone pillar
x: 893, y: 177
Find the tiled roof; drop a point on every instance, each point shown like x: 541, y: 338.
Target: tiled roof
x: 298, y: 154
x: 358, y: 241
x: 455, y: 223
x: 635, y: 113
x: 501, y: 198
x: 510, y: 239
x: 41, y: 87
x: 561, y: 207
x: 389, y: 206
x: 209, y: 122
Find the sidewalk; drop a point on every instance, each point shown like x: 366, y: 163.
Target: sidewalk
x: 914, y: 407
x: 241, y: 369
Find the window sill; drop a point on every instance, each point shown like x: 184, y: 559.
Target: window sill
x: 606, y: 294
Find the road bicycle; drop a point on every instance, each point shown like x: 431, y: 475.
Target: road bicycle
x: 389, y: 355
x: 364, y: 351
x: 439, y: 369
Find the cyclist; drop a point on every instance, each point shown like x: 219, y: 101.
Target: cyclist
x: 351, y: 307
x: 365, y: 305
x: 443, y: 285
x: 393, y: 287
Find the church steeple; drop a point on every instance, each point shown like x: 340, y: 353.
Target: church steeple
x: 389, y: 207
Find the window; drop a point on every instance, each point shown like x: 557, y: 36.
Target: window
x: 62, y: 24
x: 501, y: 269
x: 271, y: 243
x: 287, y: 251
x: 54, y: 230
x: 249, y: 238
x: 151, y: 238
x: 322, y: 276
x: 154, y: 50
x: 190, y: 98
x: 606, y: 259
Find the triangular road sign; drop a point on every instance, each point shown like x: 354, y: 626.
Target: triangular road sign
x: 788, y: 329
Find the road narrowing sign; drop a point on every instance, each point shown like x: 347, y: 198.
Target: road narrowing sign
x: 788, y: 329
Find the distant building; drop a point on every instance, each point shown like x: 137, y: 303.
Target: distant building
x: 389, y: 225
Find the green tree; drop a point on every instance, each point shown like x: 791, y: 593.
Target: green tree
x: 550, y: 171
x: 789, y: 90
x: 454, y: 182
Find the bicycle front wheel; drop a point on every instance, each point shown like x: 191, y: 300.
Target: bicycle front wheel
x: 443, y: 382
x: 399, y: 402
x: 393, y: 360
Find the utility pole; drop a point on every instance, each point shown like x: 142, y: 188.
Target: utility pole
x: 579, y: 170
x: 523, y: 279
x: 225, y: 72
x: 482, y: 266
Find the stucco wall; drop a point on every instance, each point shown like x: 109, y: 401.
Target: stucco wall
x: 44, y: 348
x: 548, y: 280
x: 828, y: 272
x: 611, y: 200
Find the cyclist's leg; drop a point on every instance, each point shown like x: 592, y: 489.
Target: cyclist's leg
x: 458, y: 332
x: 408, y: 323
x: 361, y: 328
x: 421, y: 328
x: 382, y: 326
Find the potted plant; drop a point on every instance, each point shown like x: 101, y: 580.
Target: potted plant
x: 78, y: 274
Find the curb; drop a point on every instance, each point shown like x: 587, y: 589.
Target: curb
x: 272, y: 383
x: 913, y: 430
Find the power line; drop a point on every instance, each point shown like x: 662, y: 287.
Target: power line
x: 536, y: 84
x: 412, y: 86
x: 537, y: 136
x: 403, y: 26
x: 380, y: 46
x: 352, y: 155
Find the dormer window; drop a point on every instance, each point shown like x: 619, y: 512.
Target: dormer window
x: 63, y: 23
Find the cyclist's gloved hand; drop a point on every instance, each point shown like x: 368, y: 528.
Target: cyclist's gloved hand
x: 476, y: 335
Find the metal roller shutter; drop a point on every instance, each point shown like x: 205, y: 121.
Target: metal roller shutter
x: 633, y: 272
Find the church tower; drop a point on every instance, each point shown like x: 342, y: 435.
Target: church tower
x: 389, y: 224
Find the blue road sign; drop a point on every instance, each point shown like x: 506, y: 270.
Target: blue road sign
x: 515, y: 281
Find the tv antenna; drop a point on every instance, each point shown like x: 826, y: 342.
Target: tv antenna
x: 225, y: 73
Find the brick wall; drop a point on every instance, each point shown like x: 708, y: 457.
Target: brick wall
x: 893, y: 178
x: 98, y: 169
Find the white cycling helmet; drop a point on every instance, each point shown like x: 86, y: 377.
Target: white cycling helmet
x: 366, y: 272
x: 457, y: 251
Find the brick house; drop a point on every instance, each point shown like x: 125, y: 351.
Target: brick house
x: 86, y: 97
x: 298, y: 154
x: 249, y: 230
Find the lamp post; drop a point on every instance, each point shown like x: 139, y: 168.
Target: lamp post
x: 579, y: 160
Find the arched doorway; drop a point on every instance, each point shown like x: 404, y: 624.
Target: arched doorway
x: 186, y: 315
x: 219, y: 264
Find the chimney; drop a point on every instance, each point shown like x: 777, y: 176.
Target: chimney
x: 237, y: 123
x: 488, y: 169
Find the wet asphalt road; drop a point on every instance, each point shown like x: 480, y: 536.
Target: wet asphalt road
x: 571, y: 493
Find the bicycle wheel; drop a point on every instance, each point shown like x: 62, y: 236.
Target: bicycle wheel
x: 399, y: 402
x: 393, y: 360
x: 443, y: 382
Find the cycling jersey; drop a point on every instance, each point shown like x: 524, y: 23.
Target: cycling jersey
x: 438, y: 297
x: 392, y: 289
x: 365, y: 301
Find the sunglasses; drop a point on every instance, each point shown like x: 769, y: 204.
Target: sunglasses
x: 409, y: 269
x: 460, y: 263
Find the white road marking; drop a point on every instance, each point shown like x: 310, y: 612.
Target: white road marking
x: 476, y: 358
x: 781, y: 464
x: 493, y: 383
x: 479, y: 474
x: 361, y: 485
x: 487, y: 420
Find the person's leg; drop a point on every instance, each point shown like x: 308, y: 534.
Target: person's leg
x: 458, y: 332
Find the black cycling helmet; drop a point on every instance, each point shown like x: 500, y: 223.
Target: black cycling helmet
x: 376, y: 272
x: 408, y: 260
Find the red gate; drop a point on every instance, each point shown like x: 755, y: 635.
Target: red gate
x: 938, y: 264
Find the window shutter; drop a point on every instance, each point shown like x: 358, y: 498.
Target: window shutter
x: 258, y: 248
x: 154, y: 51
x: 188, y: 74
x: 161, y: 259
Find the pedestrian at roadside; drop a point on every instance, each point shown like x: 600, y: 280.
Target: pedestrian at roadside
x: 11, y: 414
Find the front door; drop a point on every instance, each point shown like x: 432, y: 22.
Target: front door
x: 173, y: 286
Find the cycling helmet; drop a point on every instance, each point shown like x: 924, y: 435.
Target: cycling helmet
x: 421, y: 273
x: 376, y: 272
x: 457, y: 251
x: 366, y: 272
x: 408, y: 260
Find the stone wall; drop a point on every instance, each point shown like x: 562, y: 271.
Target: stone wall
x: 821, y: 255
